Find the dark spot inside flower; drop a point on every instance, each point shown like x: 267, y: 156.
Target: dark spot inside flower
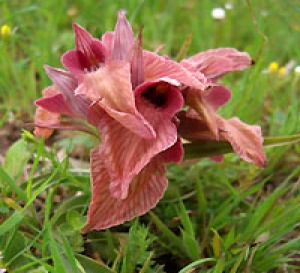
x: 157, y: 95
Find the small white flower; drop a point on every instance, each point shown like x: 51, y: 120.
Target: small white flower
x: 229, y: 6
x: 218, y: 13
x: 297, y: 70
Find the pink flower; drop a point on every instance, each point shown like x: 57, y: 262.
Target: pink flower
x: 106, y: 87
x: 201, y: 122
x: 132, y: 97
x: 246, y: 140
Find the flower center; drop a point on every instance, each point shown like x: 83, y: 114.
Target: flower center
x: 157, y: 95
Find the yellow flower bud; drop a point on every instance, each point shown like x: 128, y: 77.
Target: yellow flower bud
x: 273, y: 67
x: 5, y: 30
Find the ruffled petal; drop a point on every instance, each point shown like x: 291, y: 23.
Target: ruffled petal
x: 246, y: 140
x: 156, y: 67
x: 217, y: 62
x: 145, y: 191
x: 127, y: 153
x: 111, y: 87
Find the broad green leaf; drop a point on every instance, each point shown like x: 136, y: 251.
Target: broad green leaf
x: 92, y: 266
x: 198, y: 149
x: 11, y: 222
x: 16, y: 158
x: 7, y: 180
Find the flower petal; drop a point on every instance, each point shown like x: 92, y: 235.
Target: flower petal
x: 67, y: 84
x: 89, y: 54
x: 89, y: 46
x: 174, y: 154
x: 123, y: 38
x: 111, y: 87
x: 218, y: 95
x: 156, y: 67
x: 245, y: 139
x: 45, y: 118
x: 145, y: 191
x: 192, y: 127
x: 203, y: 108
x: 137, y: 63
x: 127, y: 153
x: 55, y: 104
x: 217, y: 62
x: 107, y: 40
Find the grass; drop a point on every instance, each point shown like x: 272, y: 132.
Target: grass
x: 229, y: 217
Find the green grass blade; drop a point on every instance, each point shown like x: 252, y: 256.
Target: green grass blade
x: 174, y: 240
x: 7, y: 180
x: 188, y: 268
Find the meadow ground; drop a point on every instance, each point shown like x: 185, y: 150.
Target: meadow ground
x: 228, y: 217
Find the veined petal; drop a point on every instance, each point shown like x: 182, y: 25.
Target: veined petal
x: 89, y: 54
x: 45, y: 118
x: 111, y: 87
x: 217, y: 62
x: 123, y: 38
x: 136, y: 123
x: 127, y: 153
x: 145, y: 191
x: 218, y: 95
x: 245, y: 139
x: 83, y: 39
x: 137, y: 63
x: 67, y: 84
x: 156, y: 67
x: 55, y: 104
x: 89, y: 46
x: 107, y: 40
